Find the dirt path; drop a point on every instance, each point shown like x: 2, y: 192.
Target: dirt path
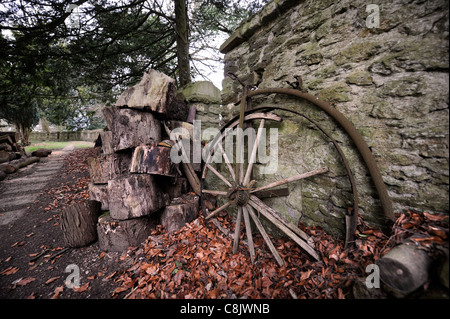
x: 33, y: 260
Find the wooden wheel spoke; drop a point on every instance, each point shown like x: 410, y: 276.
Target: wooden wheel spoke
x: 227, y: 162
x: 291, y: 179
x: 265, y: 236
x: 237, y: 230
x: 285, y: 227
x: 248, y: 229
x: 212, y: 169
x: 253, y: 154
x: 218, y: 210
x: 214, y: 192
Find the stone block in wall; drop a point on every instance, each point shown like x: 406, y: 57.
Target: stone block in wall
x: 201, y: 91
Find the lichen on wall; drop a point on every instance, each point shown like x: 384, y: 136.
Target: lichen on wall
x: 391, y: 82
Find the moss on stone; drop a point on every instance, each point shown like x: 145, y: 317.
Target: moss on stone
x: 335, y: 93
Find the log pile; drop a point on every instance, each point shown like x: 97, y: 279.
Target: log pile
x: 134, y: 178
x: 12, y: 154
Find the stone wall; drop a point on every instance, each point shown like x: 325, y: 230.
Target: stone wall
x: 391, y: 82
x: 89, y: 136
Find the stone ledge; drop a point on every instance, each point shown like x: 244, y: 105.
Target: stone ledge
x: 268, y: 13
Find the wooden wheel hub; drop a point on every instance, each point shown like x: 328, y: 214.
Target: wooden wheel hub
x: 238, y: 196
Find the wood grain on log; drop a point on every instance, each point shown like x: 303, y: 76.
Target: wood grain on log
x: 155, y: 92
x: 78, y: 223
x: 135, y: 196
x: 109, y: 166
x: 118, y: 235
x: 132, y: 128
x: 404, y: 268
x: 99, y: 193
x: 181, y: 210
x: 153, y: 159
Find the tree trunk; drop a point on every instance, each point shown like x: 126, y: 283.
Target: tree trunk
x: 78, y: 223
x: 182, y: 31
x: 118, y: 235
x: 153, y: 159
x: 135, y: 196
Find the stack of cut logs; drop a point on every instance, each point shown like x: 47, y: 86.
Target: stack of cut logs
x: 13, y: 156
x: 134, y: 178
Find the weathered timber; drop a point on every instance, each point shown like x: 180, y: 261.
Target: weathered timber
x: 15, y: 165
x: 108, y: 115
x: 184, y: 131
x: 132, y: 128
x: 134, y: 196
x: 6, y: 147
x: 153, y: 159
x: 13, y: 136
x: 404, y: 268
x: 99, y: 193
x: 118, y: 235
x: 181, y: 210
x: 78, y: 223
x: 107, y: 147
x: 109, y: 166
x: 4, y: 156
x: 42, y: 152
x: 155, y: 92
x: 173, y: 186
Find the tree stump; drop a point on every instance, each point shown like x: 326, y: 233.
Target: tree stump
x: 78, y: 223
x: 135, y: 196
x: 118, y: 235
x: 132, y: 128
x: 181, y: 210
x: 404, y: 268
x: 153, y: 159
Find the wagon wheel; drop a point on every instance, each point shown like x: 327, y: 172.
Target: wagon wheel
x: 236, y: 186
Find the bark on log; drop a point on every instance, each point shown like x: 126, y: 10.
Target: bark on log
x: 132, y: 128
x: 135, y: 196
x: 6, y: 147
x: 4, y: 156
x: 78, y: 223
x: 15, y: 165
x: 99, y: 193
x: 41, y: 152
x: 404, y: 268
x: 108, y: 115
x: 118, y: 235
x: 153, y: 160
x: 107, y: 146
x: 181, y: 210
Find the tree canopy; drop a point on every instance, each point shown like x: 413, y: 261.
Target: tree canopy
x: 57, y: 59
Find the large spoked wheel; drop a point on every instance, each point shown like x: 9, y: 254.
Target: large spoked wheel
x: 232, y: 176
